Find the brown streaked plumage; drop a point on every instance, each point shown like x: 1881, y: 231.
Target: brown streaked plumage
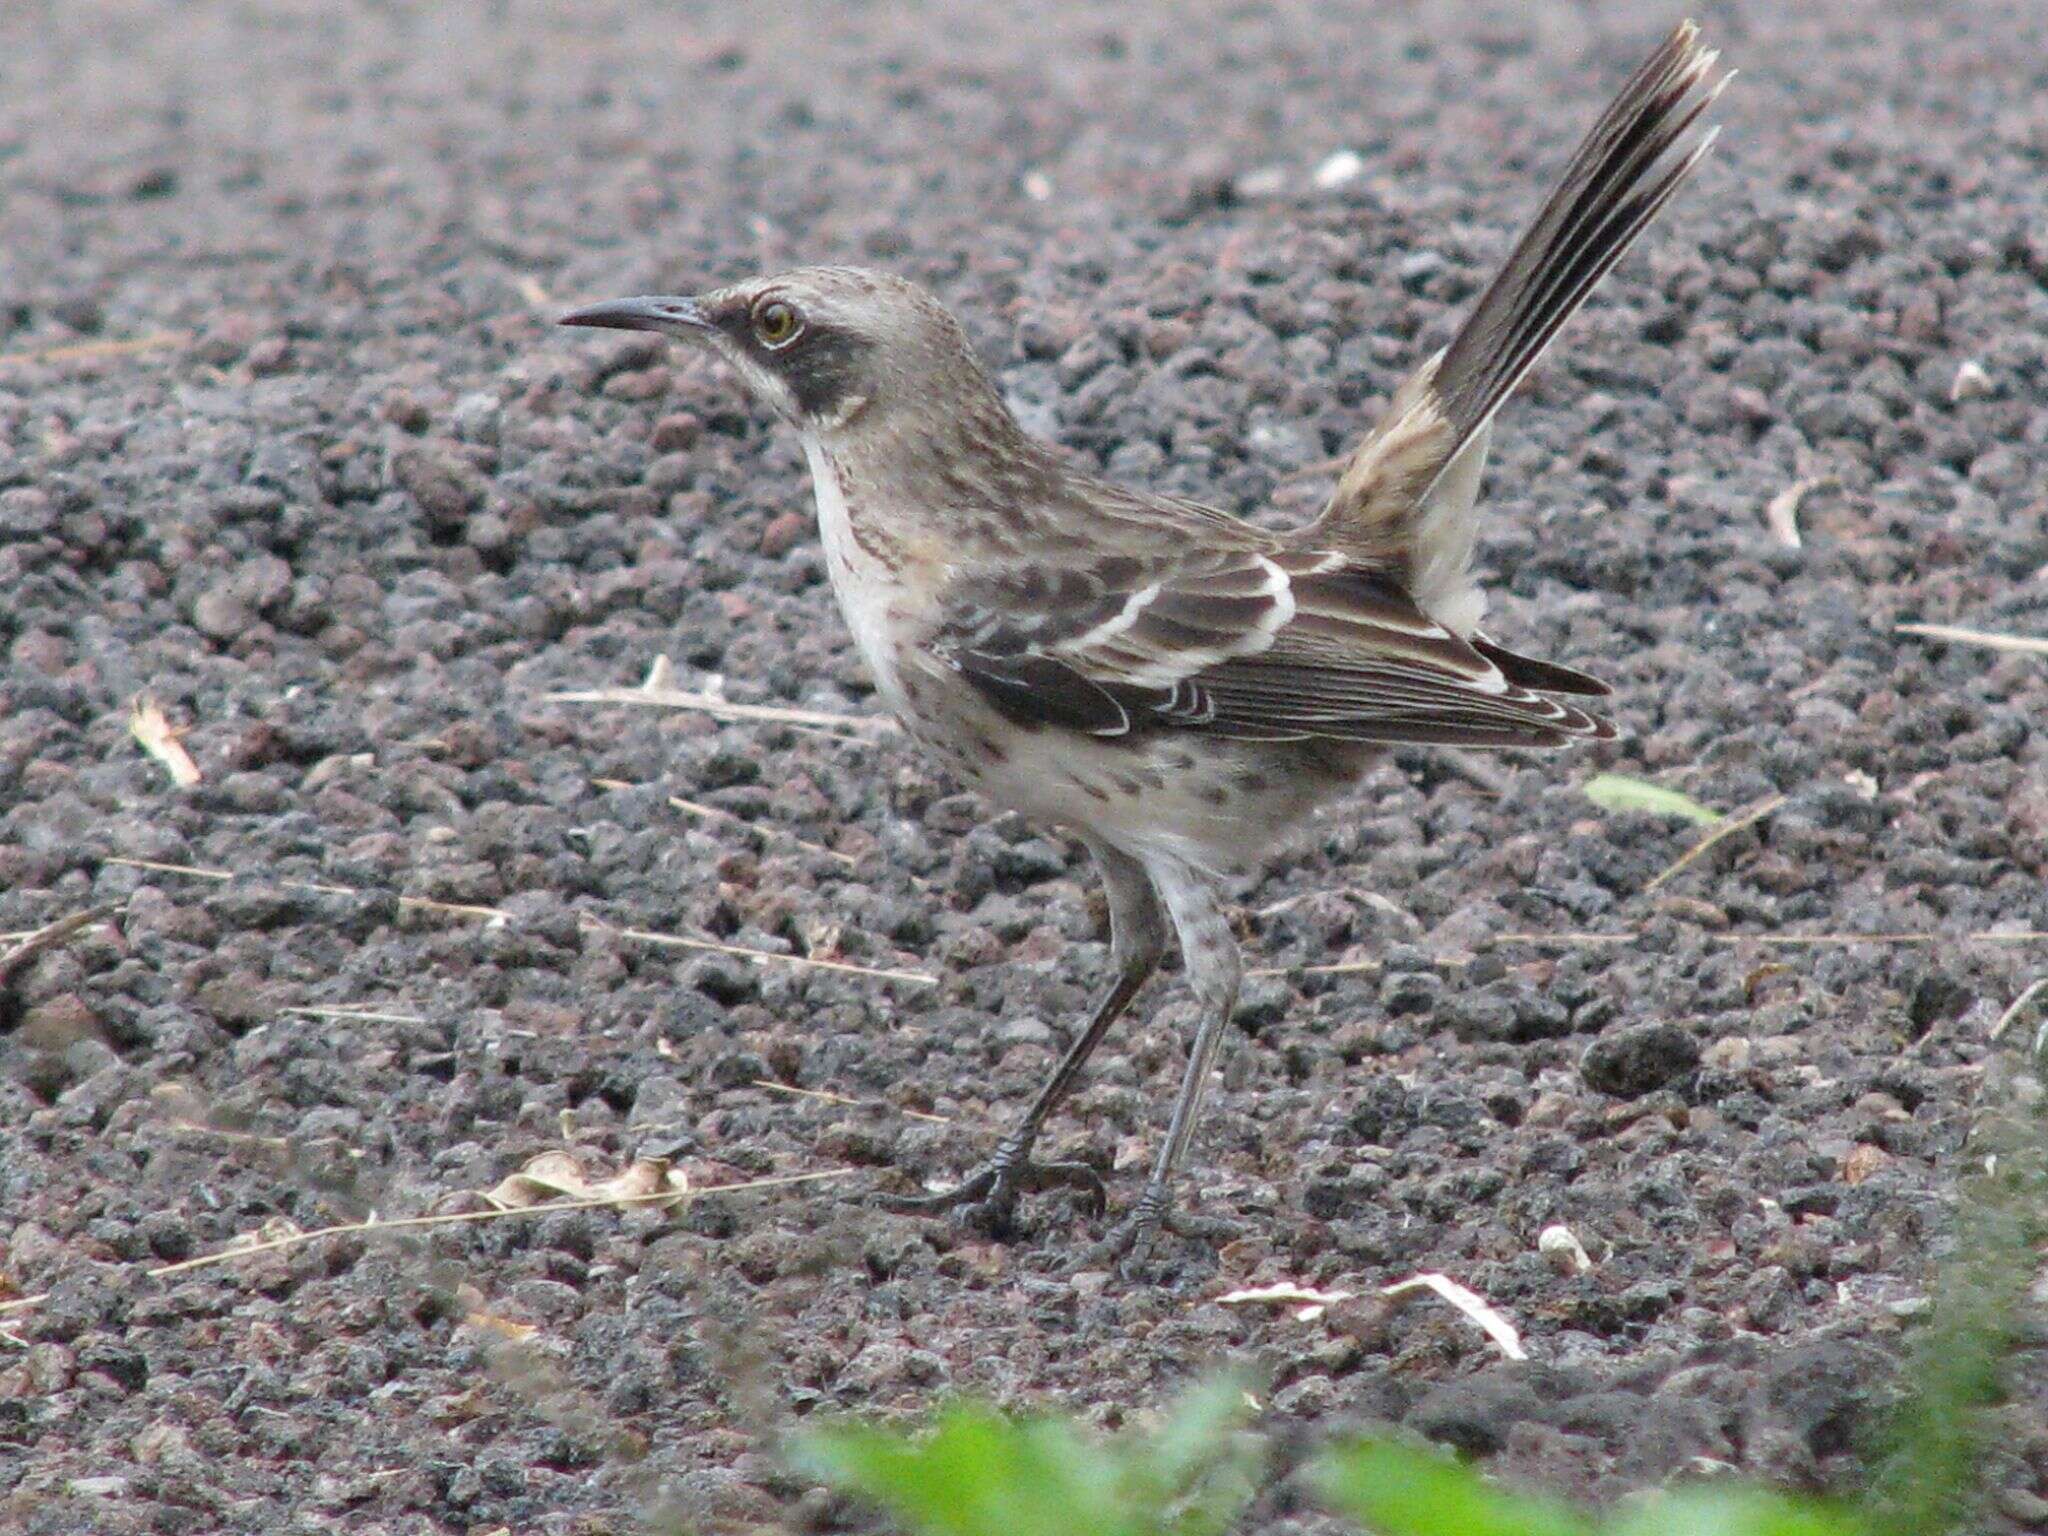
x: 1179, y: 687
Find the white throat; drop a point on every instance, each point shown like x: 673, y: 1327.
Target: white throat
x: 864, y: 586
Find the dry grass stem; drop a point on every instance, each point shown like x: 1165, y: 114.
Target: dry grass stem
x: 414, y: 903
x: 2031, y: 645
x: 499, y: 915
x: 840, y: 1098
x: 1785, y: 940
x: 458, y: 1218
x: 656, y: 693
x: 1728, y: 828
x: 49, y: 936
x: 349, y: 1011
x: 2019, y: 1007
x: 75, y: 351
x: 712, y: 812
x: 769, y: 957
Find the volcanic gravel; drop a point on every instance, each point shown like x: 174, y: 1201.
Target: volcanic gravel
x: 290, y: 445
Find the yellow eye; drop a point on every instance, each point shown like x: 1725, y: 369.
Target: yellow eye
x: 776, y: 323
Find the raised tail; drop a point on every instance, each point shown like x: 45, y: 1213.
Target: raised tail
x: 1406, y: 496
x: 1622, y: 176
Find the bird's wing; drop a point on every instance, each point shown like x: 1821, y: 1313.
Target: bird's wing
x: 1264, y: 644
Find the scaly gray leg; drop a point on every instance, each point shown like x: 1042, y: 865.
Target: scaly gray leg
x: 1137, y: 936
x: 1214, y: 971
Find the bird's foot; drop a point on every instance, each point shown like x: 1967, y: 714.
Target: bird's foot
x: 995, y: 1188
x: 1133, y: 1246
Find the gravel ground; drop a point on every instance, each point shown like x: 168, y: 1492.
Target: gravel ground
x: 289, y: 444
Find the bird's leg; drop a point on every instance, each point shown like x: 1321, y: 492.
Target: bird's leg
x: 1214, y: 971
x: 1137, y: 936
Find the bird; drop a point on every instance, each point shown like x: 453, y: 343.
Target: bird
x: 1180, y: 689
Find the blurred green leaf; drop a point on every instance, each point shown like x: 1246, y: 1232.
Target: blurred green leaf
x: 1939, y: 1447
x: 976, y: 1474
x: 980, y: 1473
x: 1735, y: 1512
x: 1619, y: 792
x: 1394, y: 1490
x: 1195, y: 1474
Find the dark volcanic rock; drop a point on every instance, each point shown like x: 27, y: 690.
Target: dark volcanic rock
x: 1639, y: 1059
x: 289, y: 443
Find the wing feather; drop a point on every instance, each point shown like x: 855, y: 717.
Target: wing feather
x: 1249, y: 643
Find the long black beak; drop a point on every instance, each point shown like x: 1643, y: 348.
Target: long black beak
x: 678, y: 317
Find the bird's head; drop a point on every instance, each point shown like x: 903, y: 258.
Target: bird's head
x: 828, y: 348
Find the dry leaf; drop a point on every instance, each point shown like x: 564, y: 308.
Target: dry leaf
x: 1971, y: 382
x: 1308, y: 1304
x: 557, y: 1176
x: 1622, y: 792
x: 149, y: 726
x: 503, y: 1327
x: 1863, y: 1161
x: 1563, y: 1251
x: 1781, y: 516
x: 276, y: 1229
x: 1490, y: 1322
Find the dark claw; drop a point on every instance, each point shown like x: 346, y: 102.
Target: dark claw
x: 1128, y: 1250
x: 1131, y: 1249
x: 969, y: 1191
x: 997, y: 1186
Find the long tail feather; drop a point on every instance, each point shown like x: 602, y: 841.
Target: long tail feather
x: 1405, y: 501
x: 1623, y: 174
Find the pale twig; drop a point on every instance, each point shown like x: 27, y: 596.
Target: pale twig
x: 2019, y: 1006
x: 711, y: 704
x: 238, y: 1138
x: 1781, y: 516
x: 1715, y: 834
x: 417, y: 903
x: 347, y: 1011
x: 656, y: 693
x: 500, y: 915
x: 77, y: 350
x: 840, y: 1098
x: 714, y: 813
x: 1339, y: 968
x: 1789, y: 940
x: 1560, y: 940
x: 1797, y: 940
x: 765, y: 956
x: 2032, y: 645
x: 49, y: 936
x: 458, y: 1218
